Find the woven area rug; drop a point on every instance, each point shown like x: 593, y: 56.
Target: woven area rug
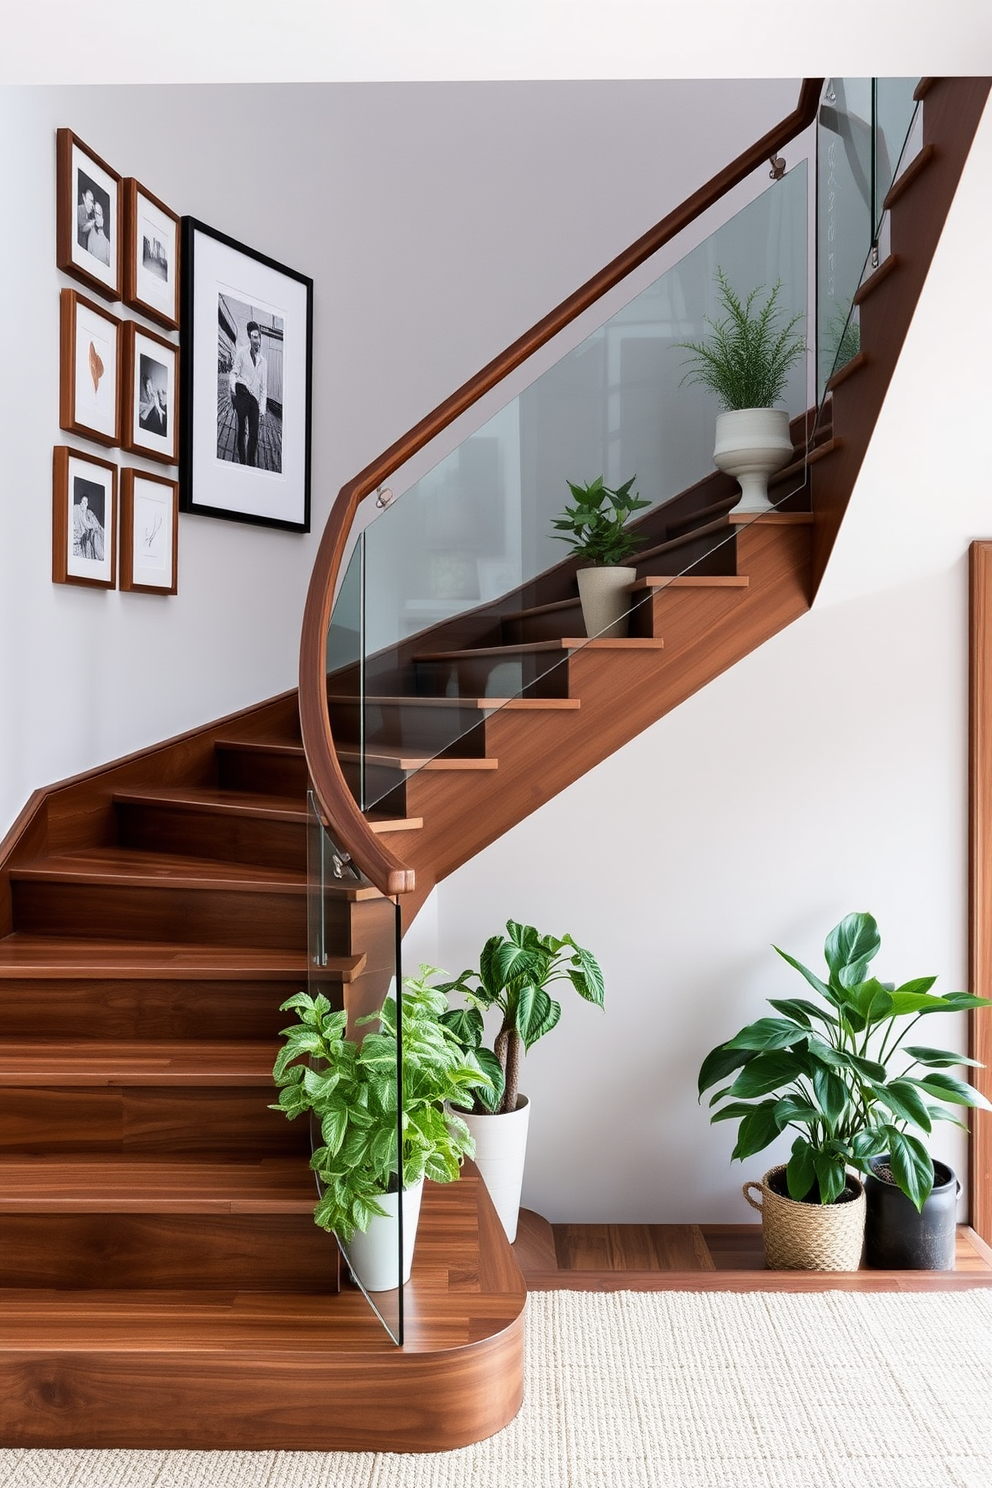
x: 671, y: 1390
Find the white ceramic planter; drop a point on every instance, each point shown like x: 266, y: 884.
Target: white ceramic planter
x: 500, y: 1150
x: 605, y: 596
x: 751, y: 444
x: 374, y: 1255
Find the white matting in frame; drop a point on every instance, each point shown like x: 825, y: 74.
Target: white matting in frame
x: 149, y: 532
x: 246, y: 347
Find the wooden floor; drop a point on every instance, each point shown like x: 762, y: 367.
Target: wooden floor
x: 712, y: 1258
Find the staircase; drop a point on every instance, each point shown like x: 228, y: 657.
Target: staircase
x: 161, y: 1280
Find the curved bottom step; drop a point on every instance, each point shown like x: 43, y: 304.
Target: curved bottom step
x: 274, y: 1370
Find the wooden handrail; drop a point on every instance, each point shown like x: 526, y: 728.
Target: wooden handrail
x: 337, y: 803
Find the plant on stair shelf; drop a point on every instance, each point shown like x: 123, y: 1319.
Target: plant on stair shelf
x: 350, y: 1087
x: 746, y: 360
x: 514, y: 974
x: 821, y: 1070
x: 596, y: 528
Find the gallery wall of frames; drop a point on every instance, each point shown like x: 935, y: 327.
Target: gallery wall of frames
x: 207, y: 412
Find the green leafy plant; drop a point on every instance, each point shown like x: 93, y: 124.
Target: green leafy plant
x: 747, y: 356
x: 351, y: 1089
x: 821, y: 1069
x: 596, y: 525
x: 514, y: 974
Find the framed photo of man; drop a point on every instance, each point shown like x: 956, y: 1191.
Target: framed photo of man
x: 246, y: 337
x: 89, y: 374
x: 151, y: 255
x: 88, y: 216
x: 150, y: 402
x: 149, y: 532
x: 84, y: 526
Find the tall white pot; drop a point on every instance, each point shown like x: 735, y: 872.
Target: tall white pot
x: 500, y: 1150
x: 605, y: 597
x: 374, y: 1255
x: 751, y: 444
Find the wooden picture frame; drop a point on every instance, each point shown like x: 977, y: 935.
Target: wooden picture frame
x: 88, y: 193
x: 152, y: 267
x: 89, y: 369
x: 247, y: 346
x: 150, y: 395
x: 149, y: 532
x: 84, y: 519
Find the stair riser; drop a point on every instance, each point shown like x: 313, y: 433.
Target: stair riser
x: 269, y: 774
x: 544, y: 627
x: 270, y: 921
x: 230, y: 839
x: 544, y: 674
x: 411, y: 730
x: 704, y: 557
x: 162, y: 1251
x: 680, y: 616
x: 146, y: 1010
x: 135, y: 1119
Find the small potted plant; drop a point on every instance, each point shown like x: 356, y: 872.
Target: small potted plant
x: 351, y: 1090
x: 596, y: 528
x: 821, y: 1070
x: 746, y: 360
x: 514, y: 974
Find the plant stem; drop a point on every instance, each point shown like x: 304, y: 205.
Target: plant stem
x: 507, y: 1051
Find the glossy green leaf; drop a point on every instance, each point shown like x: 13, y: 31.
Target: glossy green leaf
x: 722, y: 1061
x: 800, y: 1174
x: 911, y: 1166
x: 850, y: 945
x: 904, y: 1100
x: 810, y: 976
x: 769, y: 1033
x: 948, y: 1088
x: 758, y: 1128
x: 801, y: 1010
x: 767, y: 1072
x: 942, y: 1058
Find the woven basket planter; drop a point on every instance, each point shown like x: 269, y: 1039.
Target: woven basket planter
x: 809, y: 1237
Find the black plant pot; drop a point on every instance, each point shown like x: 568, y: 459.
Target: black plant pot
x: 898, y: 1237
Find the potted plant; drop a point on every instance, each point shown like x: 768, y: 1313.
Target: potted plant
x: 745, y: 360
x: 821, y: 1070
x: 514, y: 974
x: 351, y: 1090
x: 596, y: 529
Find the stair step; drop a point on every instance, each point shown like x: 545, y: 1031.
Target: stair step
x: 771, y: 519
x: 382, y: 824
x: 690, y: 581
x: 483, y: 704
x: 153, y: 1184
x: 272, y: 766
x: 136, y: 869
x: 818, y: 452
x: 859, y: 360
x: 566, y: 643
x: 879, y: 276
x: 672, y: 545
x: 32, y: 1063
x: 418, y: 762
x: 905, y: 179
x: 217, y: 802
x: 64, y: 958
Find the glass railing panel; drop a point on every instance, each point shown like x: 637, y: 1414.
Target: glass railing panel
x: 895, y: 112
x: 844, y: 218
x: 479, y: 526
x: 369, y: 1158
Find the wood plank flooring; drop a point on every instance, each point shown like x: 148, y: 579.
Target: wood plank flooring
x: 708, y: 1257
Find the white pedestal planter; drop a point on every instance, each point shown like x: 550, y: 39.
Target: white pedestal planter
x: 605, y: 596
x: 500, y: 1149
x: 374, y: 1255
x: 751, y: 444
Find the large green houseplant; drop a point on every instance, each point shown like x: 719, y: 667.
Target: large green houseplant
x: 595, y: 527
x: 351, y: 1089
x: 839, y: 1073
x: 514, y: 975
x: 745, y: 360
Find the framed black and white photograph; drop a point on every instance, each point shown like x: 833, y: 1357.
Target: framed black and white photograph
x: 149, y: 532
x: 89, y: 373
x: 246, y: 358
x: 150, y: 402
x: 151, y: 255
x: 88, y: 228
x: 84, y: 519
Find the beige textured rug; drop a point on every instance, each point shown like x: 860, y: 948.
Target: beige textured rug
x: 671, y: 1390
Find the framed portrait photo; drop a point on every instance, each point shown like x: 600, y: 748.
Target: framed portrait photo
x: 151, y: 255
x: 84, y: 528
x: 246, y: 332
x: 150, y: 397
x: 89, y: 375
x: 149, y: 532
x: 88, y: 216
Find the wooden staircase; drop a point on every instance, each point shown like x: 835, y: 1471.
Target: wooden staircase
x: 161, y: 1281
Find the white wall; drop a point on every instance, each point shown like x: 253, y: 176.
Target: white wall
x: 825, y: 773
x: 438, y: 222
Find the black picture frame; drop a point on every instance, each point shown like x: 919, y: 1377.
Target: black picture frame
x: 240, y: 463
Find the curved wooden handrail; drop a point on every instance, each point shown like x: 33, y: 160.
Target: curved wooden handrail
x: 339, y: 806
